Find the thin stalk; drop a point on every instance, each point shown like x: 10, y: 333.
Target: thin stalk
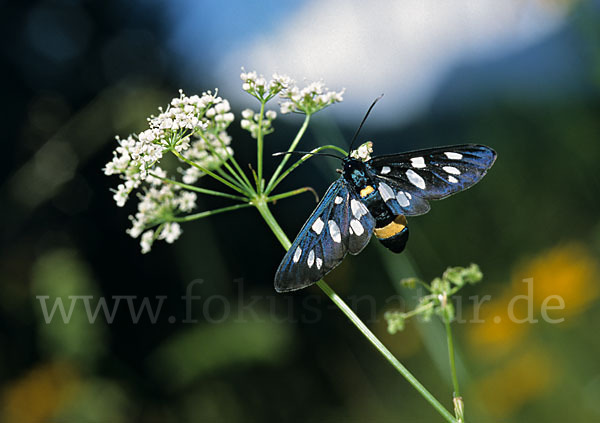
x: 451, y: 358
x: 196, y: 216
x: 235, y: 163
x: 198, y: 189
x: 259, y: 149
x: 290, y: 169
x: 241, y: 181
x: 283, y: 239
x: 208, y: 172
x: 459, y: 407
x: 289, y: 194
x: 417, y: 310
x: 286, y: 158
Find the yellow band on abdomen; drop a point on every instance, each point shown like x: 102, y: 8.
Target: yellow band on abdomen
x: 394, y: 227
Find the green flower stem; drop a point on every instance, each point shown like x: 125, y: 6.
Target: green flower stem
x: 231, y: 185
x: 198, y: 189
x: 232, y: 176
x: 263, y: 209
x: 196, y: 216
x: 259, y: 148
x: 235, y: 163
x: 287, y: 157
x: 458, y: 410
x: 241, y: 178
x: 451, y: 357
x: 289, y: 194
x: 417, y: 310
x: 272, y: 186
x: 180, y: 137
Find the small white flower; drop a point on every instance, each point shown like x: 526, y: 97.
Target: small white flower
x: 187, y: 201
x: 146, y: 241
x: 271, y: 114
x: 363, y: 152
x: 287, y: 107
x: 170, y: 232
x: 260, y: 82
x: 223, y: 107
x: 121, y: 196
x: 262, y: 89
x: 282, y: 80
x: 309, y: 99
x: 191, y: 175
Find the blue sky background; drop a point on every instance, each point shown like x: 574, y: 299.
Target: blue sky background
x: 416, y: 52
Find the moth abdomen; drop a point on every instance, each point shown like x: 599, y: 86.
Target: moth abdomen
x: 393, y: 235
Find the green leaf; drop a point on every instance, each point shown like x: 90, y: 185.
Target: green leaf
x: 207, y: 348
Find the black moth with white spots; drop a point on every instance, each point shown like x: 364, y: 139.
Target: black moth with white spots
x: 374, y: 196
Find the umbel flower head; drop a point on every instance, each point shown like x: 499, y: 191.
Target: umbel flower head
x: 196, y: 123
x: 308, y: 100
x: 193, y: 127
x: 193, y: 131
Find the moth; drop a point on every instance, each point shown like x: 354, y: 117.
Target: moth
x: 374, y: 196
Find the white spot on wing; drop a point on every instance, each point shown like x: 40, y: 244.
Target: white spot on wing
x: 334, y: 231
x: 311, y: 258
x: 402, y: 199
x: 415, y: 179
x: 418, y: 162
x: 385, y: 170
x: 453, y: 156
x: 452, y: 179
x: 452, y: 170
x: 357, y: 227
x: 297, y: 254
x: 338, y: 200
x: 358, y: 208
x: 386, y: 192
x: 318, y: 226
x: 319, y: 263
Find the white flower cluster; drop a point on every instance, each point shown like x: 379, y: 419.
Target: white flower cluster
x: 262, y: 89
x: 160, y: 202
x: 310, y: 99
x: 363, y: 152
x: 250, y: 122
x: 195, y: 123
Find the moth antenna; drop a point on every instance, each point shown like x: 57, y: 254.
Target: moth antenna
x: 362, y: 123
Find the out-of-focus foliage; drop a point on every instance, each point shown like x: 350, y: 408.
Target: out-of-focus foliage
x: 61, y: 275
x: 197, y: 352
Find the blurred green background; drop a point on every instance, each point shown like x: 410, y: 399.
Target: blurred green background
x: 76, y: 73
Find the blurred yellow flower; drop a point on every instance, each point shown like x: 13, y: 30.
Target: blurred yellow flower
x: 562, y: 281
x: 39, y: 394
x: 518, y: 382
x: 495, y: 334
x: 568, y: 271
